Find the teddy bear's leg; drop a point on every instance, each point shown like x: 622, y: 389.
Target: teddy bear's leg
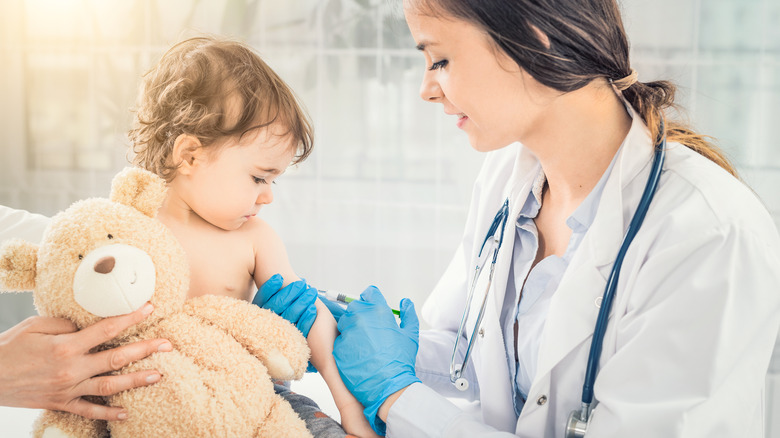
x: 282, y: 422
x: 56, y: 424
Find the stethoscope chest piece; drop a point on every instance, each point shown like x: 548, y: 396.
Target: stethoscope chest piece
x: 576, y: 426
x: 461, y: 383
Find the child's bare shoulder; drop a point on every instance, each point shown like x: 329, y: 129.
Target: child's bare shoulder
x: 259, y: 231
x: 269, y: 250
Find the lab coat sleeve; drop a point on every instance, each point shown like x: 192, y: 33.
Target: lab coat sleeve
x: 692, y: 349
x: 433, y: 361
x: 443, y: 311
x: 422, y: 412
x: 444, y: 307
x: 21, y: 224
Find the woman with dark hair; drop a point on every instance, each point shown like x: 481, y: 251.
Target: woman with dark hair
x: 572, y: 141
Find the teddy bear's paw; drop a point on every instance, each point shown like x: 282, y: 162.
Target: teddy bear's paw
x: 278, y: 366
x: 54, y: 432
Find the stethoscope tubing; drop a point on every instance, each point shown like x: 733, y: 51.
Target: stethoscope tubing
x: 609, y: 292
x: 499, y: 220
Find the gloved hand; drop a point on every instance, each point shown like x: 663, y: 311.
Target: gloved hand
x: 336, y: 309
x: 375, y: 356
x: 294, y: 302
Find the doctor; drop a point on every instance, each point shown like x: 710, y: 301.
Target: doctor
x: 547, y: 91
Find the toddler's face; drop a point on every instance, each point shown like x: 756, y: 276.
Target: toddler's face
x: 234, y: 180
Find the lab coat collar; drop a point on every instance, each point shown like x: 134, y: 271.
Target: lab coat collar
x: 574, y: 308
x: 570, y: 325
x: 633, y: 160
x: 525, y: 173
x: 496, y: 400
x: 611, y: 222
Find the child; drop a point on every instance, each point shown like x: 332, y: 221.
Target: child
x: 220, y: 127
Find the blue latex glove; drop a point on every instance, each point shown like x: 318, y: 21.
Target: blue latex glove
x: 375, y: 356
x: 336, y: 309
x: 294, y: 302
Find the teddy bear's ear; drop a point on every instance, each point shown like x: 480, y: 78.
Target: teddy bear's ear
x: 18, y: 260
x: 140, y: 189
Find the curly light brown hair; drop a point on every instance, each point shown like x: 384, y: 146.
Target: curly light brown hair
x: 196, y: 88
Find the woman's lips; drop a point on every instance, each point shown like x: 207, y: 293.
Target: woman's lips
x: 462, y: 118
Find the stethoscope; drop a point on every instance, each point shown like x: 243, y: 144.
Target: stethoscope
x: 578, y: 420
x: 456, y: 371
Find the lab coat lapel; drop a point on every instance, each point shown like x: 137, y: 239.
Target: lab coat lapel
x: 489, y: 357
x: 575, y: 305
x: 522, y: 176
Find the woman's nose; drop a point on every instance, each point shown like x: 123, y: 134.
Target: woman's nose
x: 430, y: 91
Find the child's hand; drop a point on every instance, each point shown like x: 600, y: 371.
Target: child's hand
x: 354, y: 422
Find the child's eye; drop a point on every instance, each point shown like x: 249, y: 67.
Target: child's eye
x: 110, y: 236
x: 438, y: 64
x: 259, y: 180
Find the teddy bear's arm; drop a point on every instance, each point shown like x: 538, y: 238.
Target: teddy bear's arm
x: 276, y: 342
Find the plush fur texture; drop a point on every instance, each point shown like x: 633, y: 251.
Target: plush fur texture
x: 217, y: 382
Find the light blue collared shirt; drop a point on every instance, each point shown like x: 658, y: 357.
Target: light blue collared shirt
x: 530, y: 312
x: 538, y: 284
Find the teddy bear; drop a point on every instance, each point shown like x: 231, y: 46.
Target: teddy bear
x: 105, y: 257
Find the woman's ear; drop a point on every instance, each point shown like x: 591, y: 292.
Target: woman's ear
x: 187, y: 150
x: 543, y: 38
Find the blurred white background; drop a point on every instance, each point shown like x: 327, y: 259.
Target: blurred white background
x: 382, y: 200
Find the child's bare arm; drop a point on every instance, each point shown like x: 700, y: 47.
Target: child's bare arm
x: 271, y: 258
x: 321, y: 337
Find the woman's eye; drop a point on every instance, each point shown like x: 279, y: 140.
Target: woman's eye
x: 438, y: 64
x: 259, y: 180
x: 110, y: 236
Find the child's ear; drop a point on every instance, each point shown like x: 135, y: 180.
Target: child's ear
x: 187, y: 150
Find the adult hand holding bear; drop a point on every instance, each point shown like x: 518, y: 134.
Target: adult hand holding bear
x: 46, y: 364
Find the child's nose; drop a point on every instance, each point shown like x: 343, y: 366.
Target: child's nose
x: 266, y: 196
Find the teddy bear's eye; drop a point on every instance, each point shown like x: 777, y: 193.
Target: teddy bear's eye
x: 81, y: 257
x: 110, y: 236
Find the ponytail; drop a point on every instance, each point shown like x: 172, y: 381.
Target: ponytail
x: 584, y: 40
x: 651, y: 99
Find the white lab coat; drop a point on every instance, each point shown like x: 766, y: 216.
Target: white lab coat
x: 691, y: 329
x: 21, y: 224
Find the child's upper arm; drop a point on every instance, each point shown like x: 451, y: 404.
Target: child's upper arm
x: 270, y: 253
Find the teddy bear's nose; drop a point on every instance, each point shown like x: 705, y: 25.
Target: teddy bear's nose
x: 105, y: 265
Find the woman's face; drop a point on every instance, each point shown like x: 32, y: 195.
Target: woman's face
x: 494, y: 101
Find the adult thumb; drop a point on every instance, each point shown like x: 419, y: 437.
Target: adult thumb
x: 409, y: 321
x: 268, y: 289
x: 372, y: 294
